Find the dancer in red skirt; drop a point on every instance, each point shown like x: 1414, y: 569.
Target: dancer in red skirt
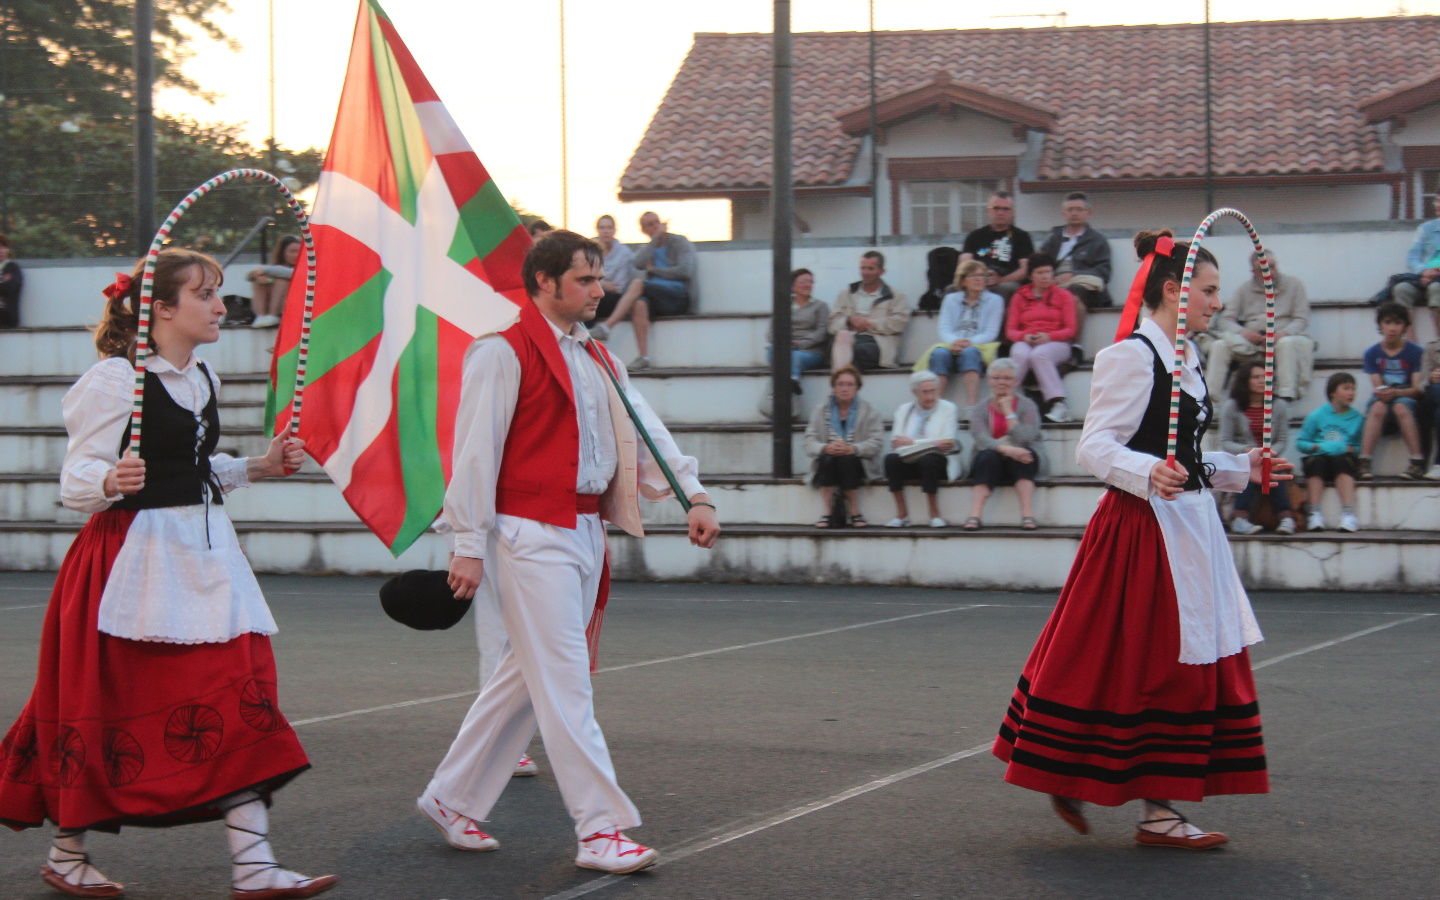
x: 155, y: 699
x: 1140, y: 685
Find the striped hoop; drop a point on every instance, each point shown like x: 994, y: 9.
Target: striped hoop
x: 1267, y: 276
x: 147, y: 286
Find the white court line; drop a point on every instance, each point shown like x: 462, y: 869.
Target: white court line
x: 650, y: 662
x: 676, y: 855
x: 806, y: 809
x: 1340, y: 640
x: 36, y: 606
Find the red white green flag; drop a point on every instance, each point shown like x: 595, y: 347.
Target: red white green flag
x: 418, y: 253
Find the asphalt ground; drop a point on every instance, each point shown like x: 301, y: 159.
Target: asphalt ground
x: 815, y: 742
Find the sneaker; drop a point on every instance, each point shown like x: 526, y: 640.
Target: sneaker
x: 265, y: 322
x: 1242, y: 525
x: 938, y: 522
x: 613, y: 852
x: 460, y: 831
x: 1434, y: 473
x: 1314, y: 521
x: 1362, y: 469
x: 1348, y: 523
x: 639, y: 362
x: 600, y: 332
x: 1059, y: 412
x: 1415, y: 471
x: 525, y: 767
x: 898, y: 522
x: 1286, y: 526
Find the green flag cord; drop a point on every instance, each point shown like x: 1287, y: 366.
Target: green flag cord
x: 645, y: 435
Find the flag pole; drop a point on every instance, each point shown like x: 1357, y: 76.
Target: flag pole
x: 644, y: 435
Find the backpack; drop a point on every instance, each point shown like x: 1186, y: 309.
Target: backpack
x: 939, y: 276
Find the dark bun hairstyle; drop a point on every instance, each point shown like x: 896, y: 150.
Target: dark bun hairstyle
x: 1166, y: 268
x: 115, y: 335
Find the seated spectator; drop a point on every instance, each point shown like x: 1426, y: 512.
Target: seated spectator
x: 11, y: 280
x: 1082, y: 258
x: 272, y: 282
x: 1240, y: 334
x: 663, y: 285
x: 1006, y: 429
x: 1394, y: 367
x: 1430, y: 366
x: 868, y: 319
x: 809, y: 327
x: 970, y: 321
x: 844, y: 436
x: 922, y: 446
x: 1242, y: 428
x: 538, y: 229
x: 1329, y: 441
x: 1001, y: 246
x: 1423, y: 264
x: 1041, y: 324
x: 619, y: 266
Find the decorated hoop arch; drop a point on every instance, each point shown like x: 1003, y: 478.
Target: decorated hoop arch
x: 1268, y: 277
x: 147, y: 288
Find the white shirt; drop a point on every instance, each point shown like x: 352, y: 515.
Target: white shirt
x: 181, y: 576
x: 487, y: 405
x: 1215, y: 615
x: 1067, y: 246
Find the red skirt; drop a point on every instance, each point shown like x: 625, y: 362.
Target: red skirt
x: 120, y: 732
x: 1104, y: 711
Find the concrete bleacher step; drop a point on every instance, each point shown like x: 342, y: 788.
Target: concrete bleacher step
x: 1067, y: 502
x: 993, y: 558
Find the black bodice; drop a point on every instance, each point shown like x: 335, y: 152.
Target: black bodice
x: 1153, y: 435
x: 176, y: 446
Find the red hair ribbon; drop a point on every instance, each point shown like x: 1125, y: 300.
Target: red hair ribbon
x: 1131, y: 315
x: 120, y: 288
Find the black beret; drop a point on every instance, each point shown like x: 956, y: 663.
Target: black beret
x: 420, y: 598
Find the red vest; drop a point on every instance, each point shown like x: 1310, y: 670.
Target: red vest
x: 542, y: 449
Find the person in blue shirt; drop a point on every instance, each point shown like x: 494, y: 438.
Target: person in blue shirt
x: 1329, y: 440
x: 1424, y: 261
x: 1394, y: 367
x: 663, y: 285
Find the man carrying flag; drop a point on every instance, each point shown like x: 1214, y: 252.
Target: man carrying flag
x: 544, y: 452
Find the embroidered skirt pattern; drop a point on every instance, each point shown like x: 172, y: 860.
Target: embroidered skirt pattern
x: 121, y: 732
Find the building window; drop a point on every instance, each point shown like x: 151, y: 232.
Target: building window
x: 946, y: 207
x: 1427, y: 185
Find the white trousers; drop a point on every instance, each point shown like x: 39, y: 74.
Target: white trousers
x: 546, y: 580
x: 1294, y: 361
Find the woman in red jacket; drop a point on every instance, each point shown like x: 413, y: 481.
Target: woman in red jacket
x: 1041, y: 325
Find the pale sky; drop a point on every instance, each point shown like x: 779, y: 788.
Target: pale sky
x: 497, y: 68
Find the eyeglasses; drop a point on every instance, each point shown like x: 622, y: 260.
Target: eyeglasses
x: 1002, y: 209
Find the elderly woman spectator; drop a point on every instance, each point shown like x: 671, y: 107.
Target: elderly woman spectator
x: 809, y: 327
x: 1041, y: 324
x: 272, y: 282
x: 1006, y: 430
x: 1242, y: 423
x: 970, y: 321
x: 844, y: 435
x: 923, y: 445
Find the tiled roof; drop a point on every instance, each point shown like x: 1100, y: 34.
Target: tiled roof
x: 1287, y: 98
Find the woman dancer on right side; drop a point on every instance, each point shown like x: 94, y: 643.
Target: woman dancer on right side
x: 1139, y: 687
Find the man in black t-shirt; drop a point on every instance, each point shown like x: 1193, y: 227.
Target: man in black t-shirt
x: 1000, y: 246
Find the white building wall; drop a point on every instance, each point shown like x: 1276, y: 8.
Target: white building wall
x: 1422, y: 128
x: 965, y: 134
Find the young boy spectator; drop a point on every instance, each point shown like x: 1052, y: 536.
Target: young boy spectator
x: 1394, y: 367
x: 1430, y: 367
x: 1328, y: 440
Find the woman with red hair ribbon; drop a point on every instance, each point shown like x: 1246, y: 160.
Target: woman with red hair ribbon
x: 1139, y: 687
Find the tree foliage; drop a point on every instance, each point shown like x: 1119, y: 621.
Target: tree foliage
x: 71, y: 183
x: 78, y: 55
